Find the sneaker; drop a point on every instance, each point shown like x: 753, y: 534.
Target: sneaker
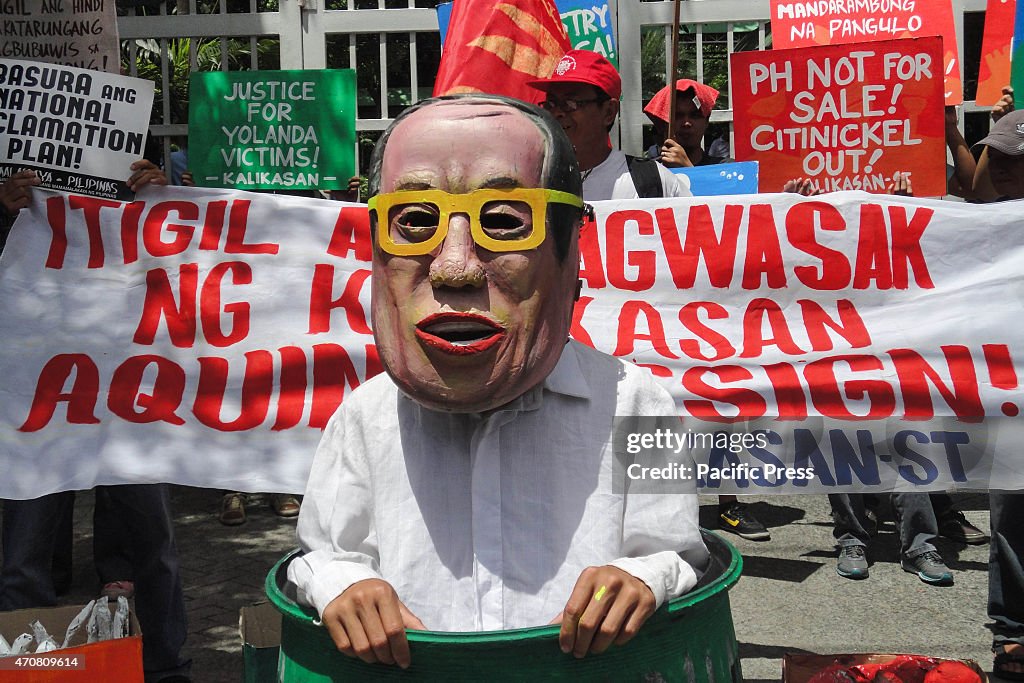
x: 115, y: 589
x: 955, y: 527
x: 737, y: 519
x: 232, y: 509
x: 853, y: 562
x: 929, y: 567
x: 284, y: 505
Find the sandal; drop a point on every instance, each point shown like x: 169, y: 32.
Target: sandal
x: 232, y: 509
x: 284, y: 504
x: 1004, y: 658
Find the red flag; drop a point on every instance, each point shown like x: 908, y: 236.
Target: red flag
x: 496, y: 46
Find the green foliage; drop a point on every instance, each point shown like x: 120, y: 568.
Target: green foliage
x: 209, y: 56
x: 713, y: 55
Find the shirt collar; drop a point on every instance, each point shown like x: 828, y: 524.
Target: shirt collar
x: 567, y: 377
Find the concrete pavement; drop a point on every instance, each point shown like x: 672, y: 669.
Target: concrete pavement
x: 789, y: 598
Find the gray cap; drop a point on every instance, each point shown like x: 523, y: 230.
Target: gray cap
x: 1006, y: 135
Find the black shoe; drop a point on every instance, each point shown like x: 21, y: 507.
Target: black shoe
x: 1004, y: 660
x: 929, y: 567
x: 871, y: 521
x: 853, y: 562
x: 954, y: 526
x: 737, y: 519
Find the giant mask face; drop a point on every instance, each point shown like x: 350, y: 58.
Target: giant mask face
x: 471, y: 302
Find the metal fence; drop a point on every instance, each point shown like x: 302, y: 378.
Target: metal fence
x: 394, y: 46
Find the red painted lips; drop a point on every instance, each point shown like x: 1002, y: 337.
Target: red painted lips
x: 460, y: 334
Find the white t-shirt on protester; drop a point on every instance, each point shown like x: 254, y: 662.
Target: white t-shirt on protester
x: 611, y: 180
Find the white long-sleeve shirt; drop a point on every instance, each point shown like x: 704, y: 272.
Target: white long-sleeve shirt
x: 484, y: 522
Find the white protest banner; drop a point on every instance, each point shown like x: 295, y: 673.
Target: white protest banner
x: 201, y: 337
x: 80, y: 130
x: 80, y: 33
x: 205, y: 336
x: 869, y: 338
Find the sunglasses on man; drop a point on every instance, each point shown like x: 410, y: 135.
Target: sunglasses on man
x: 568, y: 105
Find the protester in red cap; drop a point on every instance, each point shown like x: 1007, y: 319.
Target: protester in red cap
x: 684, y: 148
x: 684, y: 143
x: 583, y: 96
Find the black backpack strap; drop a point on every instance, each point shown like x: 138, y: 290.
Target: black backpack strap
x: 645, y: 176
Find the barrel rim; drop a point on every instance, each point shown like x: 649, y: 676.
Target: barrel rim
x: 308, y: 615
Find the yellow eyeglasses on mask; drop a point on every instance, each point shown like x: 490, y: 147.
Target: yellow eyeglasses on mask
x: 415, y: 222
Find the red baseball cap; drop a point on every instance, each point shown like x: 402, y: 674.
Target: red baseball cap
x: 584, y: 66
x: 704, y: 95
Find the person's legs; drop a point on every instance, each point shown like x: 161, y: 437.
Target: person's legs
x: 159, y: 600
x: 232, y: 508
x: 62, y: 566
x: 285, y: 504
x: 1006, y: 581
x: 850, y: 534
x: 110, y: 541
x: 848, y: 515
x: 952, y: 523
x: 871, y: 504
x: 942, y: 503
x: 735, y: 517
x: 918, y: 528
x: 915, y: 521
x: 29, y: 537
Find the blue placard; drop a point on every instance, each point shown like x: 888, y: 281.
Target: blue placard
x: 739, y: 177
x: 444, y: 15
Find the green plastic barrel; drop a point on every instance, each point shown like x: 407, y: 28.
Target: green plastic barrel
x: 690, y: 640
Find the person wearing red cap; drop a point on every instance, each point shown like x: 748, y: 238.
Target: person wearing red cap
x: 583, y: 95
x: 683, y: 146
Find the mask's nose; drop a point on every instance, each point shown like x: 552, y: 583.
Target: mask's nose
x: 457, y: 264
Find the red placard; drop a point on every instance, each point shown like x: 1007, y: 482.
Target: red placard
x: 994, y: 70
x: 846, y: 118
x: 806, y: 23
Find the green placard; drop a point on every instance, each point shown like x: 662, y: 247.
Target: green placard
x: 273, y: 130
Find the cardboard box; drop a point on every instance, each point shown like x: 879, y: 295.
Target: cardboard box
x: 110, y: 660
x: 260, y: 626
x: 798, y: 668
